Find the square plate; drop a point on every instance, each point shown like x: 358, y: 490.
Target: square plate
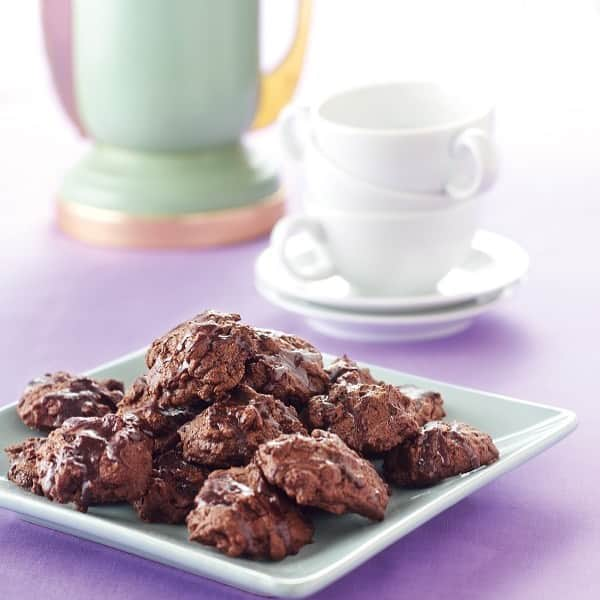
x: 520, y: 430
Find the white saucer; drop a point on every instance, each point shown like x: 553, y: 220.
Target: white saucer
x: 494, y: 263
x: 399, y: 327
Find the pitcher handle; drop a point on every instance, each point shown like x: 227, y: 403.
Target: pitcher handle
x: 277, y: 87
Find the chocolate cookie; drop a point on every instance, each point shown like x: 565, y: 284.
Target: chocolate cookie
x: 160, y: 423
x: 211, y: 354
x: 285, y: 366
x: 369, y: 417
x: 426, y: 405
x: 240, y: 514
x: 322, y: 471
x: 23, y: 464
x: 49, y: 401
x: 200, y: 359
x: 172, y: 489
x: 440, y: 450
x: 92, y: 460
x: 229, y: 431
x: 346, y: 370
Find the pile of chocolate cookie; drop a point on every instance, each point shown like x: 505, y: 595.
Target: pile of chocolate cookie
x: 241, y: 433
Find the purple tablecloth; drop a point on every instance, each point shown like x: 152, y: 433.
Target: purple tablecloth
x: 534, y: 533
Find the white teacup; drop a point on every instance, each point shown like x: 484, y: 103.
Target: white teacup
x: 396, y: 253
x: 330, y: 187
x: 413, y: 136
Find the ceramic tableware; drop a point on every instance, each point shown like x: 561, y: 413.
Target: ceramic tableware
x: 329, y: 186
x: 520, y: 431
x: 395, y: 253
x: 363, y: 326
x: 165, y: 90
x: 493, y: 263
x: 408, y: 136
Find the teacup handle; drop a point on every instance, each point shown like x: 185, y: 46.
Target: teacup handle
x: 293, y: 130
x: 292, y: 225
x: 478, y: 143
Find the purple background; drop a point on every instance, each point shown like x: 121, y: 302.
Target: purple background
x: 533, y: 533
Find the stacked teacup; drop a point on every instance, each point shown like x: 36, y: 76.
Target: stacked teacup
x: 395, y: 175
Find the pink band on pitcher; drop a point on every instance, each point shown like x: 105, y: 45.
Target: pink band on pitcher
x: 57, y: 26
x: 201, y: 230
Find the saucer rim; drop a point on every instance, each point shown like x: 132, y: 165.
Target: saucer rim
x: 389, y: 305
x: 399, y: 334
x: 314, y: 311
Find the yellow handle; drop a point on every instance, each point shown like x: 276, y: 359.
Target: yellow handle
x: 277, y: 87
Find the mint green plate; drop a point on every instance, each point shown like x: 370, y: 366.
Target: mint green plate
x: 520, y: 429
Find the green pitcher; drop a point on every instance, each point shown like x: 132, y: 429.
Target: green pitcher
x: 165, y: 89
